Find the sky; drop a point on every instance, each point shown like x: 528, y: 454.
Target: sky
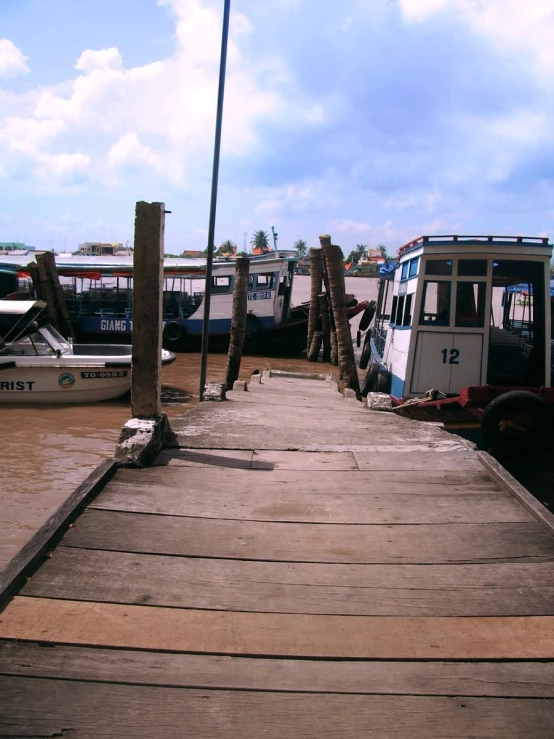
x: 376, y: 121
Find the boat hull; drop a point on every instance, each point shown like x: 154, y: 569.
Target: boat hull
x: 62, y: 383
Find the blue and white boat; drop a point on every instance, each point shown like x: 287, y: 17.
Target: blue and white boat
x: 99, y: 297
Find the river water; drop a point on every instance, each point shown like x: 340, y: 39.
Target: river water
x: 47, y: 451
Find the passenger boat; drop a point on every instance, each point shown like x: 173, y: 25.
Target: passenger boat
x: 99, y: 298
x: 37, y: 365
x: 463, y: 333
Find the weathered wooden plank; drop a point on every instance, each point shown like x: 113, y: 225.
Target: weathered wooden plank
x: 293, y: 542
x: 530, y: 503
x: 228, y: 458
x: 320, y: 461
x: 419, y: 460
x: 53, y: 529
x: 502, y: 679
x: 284, y: 502
x: 90, y: 710
x: 283, y: 587
x: 277, y: 635
x: 346, y: 482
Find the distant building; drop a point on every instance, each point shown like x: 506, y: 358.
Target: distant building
x: 97, y: 249
x: 192, y: 254
x: 8, y: 246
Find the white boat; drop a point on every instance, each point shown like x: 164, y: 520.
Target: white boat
x: 37, y: 365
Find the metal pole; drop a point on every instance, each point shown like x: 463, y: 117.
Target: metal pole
x: 213, y: 203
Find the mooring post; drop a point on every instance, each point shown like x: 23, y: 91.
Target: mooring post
x: 325, y: 327
x: 146, y: 387
x: 148, y: 430
x: 335, y: 269
x: 238, y: 321
x: 316, y: 278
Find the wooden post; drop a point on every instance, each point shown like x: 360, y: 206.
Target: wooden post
x: 46, y: 290
x: 147, y: 309
x: 335, y: 269
x: 325, y: 327
x: 316, y: 272
x: 238, y: 321
x: 315, y: 346
x: 62, y: 313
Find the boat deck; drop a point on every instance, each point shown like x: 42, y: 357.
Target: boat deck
x: 299, y: 567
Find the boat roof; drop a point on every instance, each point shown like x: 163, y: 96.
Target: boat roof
x: 462, y: 242
x: 19, y: 307
x: 93, y: 267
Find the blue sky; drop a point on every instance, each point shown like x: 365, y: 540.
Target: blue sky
x: 375, y: 121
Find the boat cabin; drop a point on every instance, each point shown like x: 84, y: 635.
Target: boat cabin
x: 459, y: 311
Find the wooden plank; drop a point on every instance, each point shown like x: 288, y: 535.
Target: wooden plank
x: 521, y: 494
x: 283, y: 502
x: 277, y: 635
x: 415, y: 461
x: 90, y: 710
x: 32, y: 553
x: 228, y: 458
x: 320, y: 461
x: 502, y: 679
x: 293, y: 542
x: 346, y: 482
x: 283, y: 587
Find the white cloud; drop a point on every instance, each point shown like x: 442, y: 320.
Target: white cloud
x: 105, y: 59
x: 12, y: 60
x: 528, y: 26
x: 347, y: 226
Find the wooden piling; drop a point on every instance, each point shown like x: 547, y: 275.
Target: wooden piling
x: 147, y: 309
x: 335, y: 270
x: 316, y: 272
x: 48, y: 288
x: 238, y: 321
x: 315, y: 346
x: 325, y: 326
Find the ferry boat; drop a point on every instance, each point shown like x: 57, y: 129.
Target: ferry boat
x: 463, y: 324
x: 37, y: 365
x: 99, y: 298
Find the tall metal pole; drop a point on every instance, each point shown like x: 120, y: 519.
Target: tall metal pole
x: 213, y: 203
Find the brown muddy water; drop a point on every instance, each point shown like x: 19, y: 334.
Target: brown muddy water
x: 47, y: 451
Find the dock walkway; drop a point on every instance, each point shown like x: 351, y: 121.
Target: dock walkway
x: 299, y: 567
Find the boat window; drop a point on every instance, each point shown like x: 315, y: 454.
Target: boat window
x: 407, y: 321
x: 470, y: 304
x: 414, y: 264
x: 435, y: 305
x: 404, y: 275
x: 399, y: 311
x: 266, y: 281
x: 222, y: 285
x: 472, y: 268
x: 393, y: 310
x: 250, y: 282
x: 438, y: 267
x: 283, y: 285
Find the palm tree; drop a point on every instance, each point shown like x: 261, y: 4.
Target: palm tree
x: 361, y: 250
x: 227, y: 247
x: 260, y: 242
x: 301, y: 248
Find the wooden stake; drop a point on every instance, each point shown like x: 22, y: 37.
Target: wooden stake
x: 147, y: 309
x: 316, y: 272
x: 335, y: 269
x: 238, y: 321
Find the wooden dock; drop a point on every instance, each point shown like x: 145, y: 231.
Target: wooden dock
x: 300, y: 567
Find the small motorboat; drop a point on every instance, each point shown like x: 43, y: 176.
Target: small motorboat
x: 37, y: 365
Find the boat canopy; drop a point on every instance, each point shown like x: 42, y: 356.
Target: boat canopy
x: 19, y: 307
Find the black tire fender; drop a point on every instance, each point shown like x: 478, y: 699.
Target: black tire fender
x: 253, y: 324
x: 517, y: 421
x: 370, y: 379
x: 383, y: 382
x: 367, y: 316
x: 174, y: 332
x: 366, y: 353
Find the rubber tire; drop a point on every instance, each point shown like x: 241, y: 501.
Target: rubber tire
x: 173, y: 333
x: 537, y: 438
x: 370, y: 379
x: 351, y: 302
x: 253, y: 324
x: 367, y: 316
x: 366, y: 353
x: 383, y: 383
